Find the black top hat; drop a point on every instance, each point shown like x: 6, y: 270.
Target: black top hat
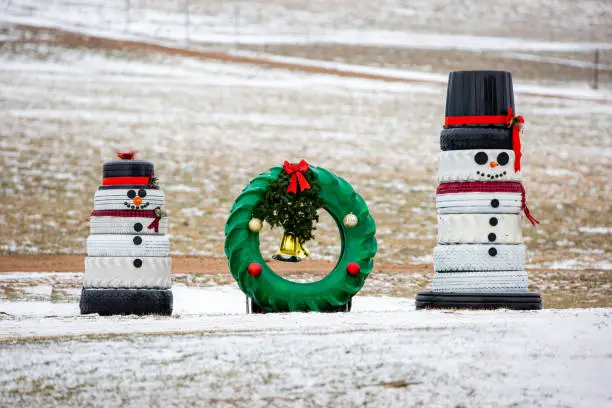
x: 127, y: 168
x: 128, y: 173
x: 478, y: 93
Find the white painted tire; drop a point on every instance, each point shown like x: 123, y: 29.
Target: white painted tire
x: 479, y: 229
x: 481, y: 282
x: 126, y: 225
x: 479, y: 203
x: 121, y: 272
x: 460, y: 165
x: 128, y: 245
x: 477, y: 257
x: 117, y: 199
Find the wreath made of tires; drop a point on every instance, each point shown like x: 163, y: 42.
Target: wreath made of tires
x: 274, y: 293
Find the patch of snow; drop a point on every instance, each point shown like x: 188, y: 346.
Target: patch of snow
x: 596, y: 230
x: 384, y: 353
x: 181, y: 188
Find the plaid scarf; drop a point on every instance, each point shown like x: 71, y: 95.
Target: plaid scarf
x: 157, y: 215
x: 489, y: 187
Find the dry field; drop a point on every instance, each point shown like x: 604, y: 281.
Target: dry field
x: 211, y: 125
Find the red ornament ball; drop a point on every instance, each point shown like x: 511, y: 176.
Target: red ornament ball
x: 353, y: 269
x: 254, y: 269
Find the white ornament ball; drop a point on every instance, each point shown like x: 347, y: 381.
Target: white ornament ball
x: 255, y: 225
x: 350, y: 220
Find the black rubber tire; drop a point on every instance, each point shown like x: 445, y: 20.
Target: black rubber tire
x: 254, y: 308
x: 108, y: 302
x: 513, y: 301
x: 127, y: 168
x: 472, y: 138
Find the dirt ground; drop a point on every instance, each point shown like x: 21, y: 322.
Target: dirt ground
x: 559, y: 288
x: 180, y: 264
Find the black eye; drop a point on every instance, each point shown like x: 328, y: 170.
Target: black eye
x: 142, y: 193
x: 481, y: 158
x: 131, y: 194
x: 503, y: 159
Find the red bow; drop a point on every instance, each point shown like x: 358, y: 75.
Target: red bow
x: 126, y: 155
x: 155, y: 223
x: 515, y: 122
x: 296, y: 171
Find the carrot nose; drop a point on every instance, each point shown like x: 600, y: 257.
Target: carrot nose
x: 493, y: 164
x: 137, y: 201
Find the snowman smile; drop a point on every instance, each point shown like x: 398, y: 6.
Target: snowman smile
x: 481, y: 158
x: 490, y: 175
x: 136, y: 207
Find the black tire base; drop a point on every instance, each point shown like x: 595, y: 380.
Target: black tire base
x: 464, y: 138
x: 254, y: 308
x: 108, y: 302
x: 448, y: 300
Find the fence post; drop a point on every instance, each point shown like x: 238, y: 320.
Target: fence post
x: 596, y: 69
x: 187, y: 22
x: 236, y: 17
x: 127, y: 15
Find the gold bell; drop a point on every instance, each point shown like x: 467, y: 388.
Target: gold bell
x: 291, y: 249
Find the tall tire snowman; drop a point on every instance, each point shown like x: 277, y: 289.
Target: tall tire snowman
x: 480, y: 257
x: 127, y: 269
x: 290, y: 196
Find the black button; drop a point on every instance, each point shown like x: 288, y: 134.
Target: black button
x: 493, y: 221
x: 495, y: 203
x: 137, y: 240
x: 131, y: 194
x: 492, y: 251
x: 137, y: 263
x: 138, y: 227
x: 492, y: 237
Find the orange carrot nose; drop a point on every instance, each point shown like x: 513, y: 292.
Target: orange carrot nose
x: 137, y: 201
x: 493, y: 164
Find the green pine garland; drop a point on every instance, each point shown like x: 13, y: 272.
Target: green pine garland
x: 296, y: 213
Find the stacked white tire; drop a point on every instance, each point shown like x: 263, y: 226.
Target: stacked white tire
x: 480, y: 246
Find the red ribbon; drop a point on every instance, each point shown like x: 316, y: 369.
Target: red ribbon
x: 530, y: 217
x: 296, y: 172
x: 111, y: 181
x: 155, y: 223
x: 515, y: 122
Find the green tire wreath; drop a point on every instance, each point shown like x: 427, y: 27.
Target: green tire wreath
x: 277, y: 294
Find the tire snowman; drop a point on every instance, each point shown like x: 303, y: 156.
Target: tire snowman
x: 127, y: 269
x: 480, y: 257
x: 267, y: 291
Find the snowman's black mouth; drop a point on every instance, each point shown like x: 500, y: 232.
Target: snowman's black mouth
x: 490, y: 176
x: 136, y: 207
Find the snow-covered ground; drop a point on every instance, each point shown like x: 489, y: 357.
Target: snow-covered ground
x: 526, y: 25
x: 383, y: 353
